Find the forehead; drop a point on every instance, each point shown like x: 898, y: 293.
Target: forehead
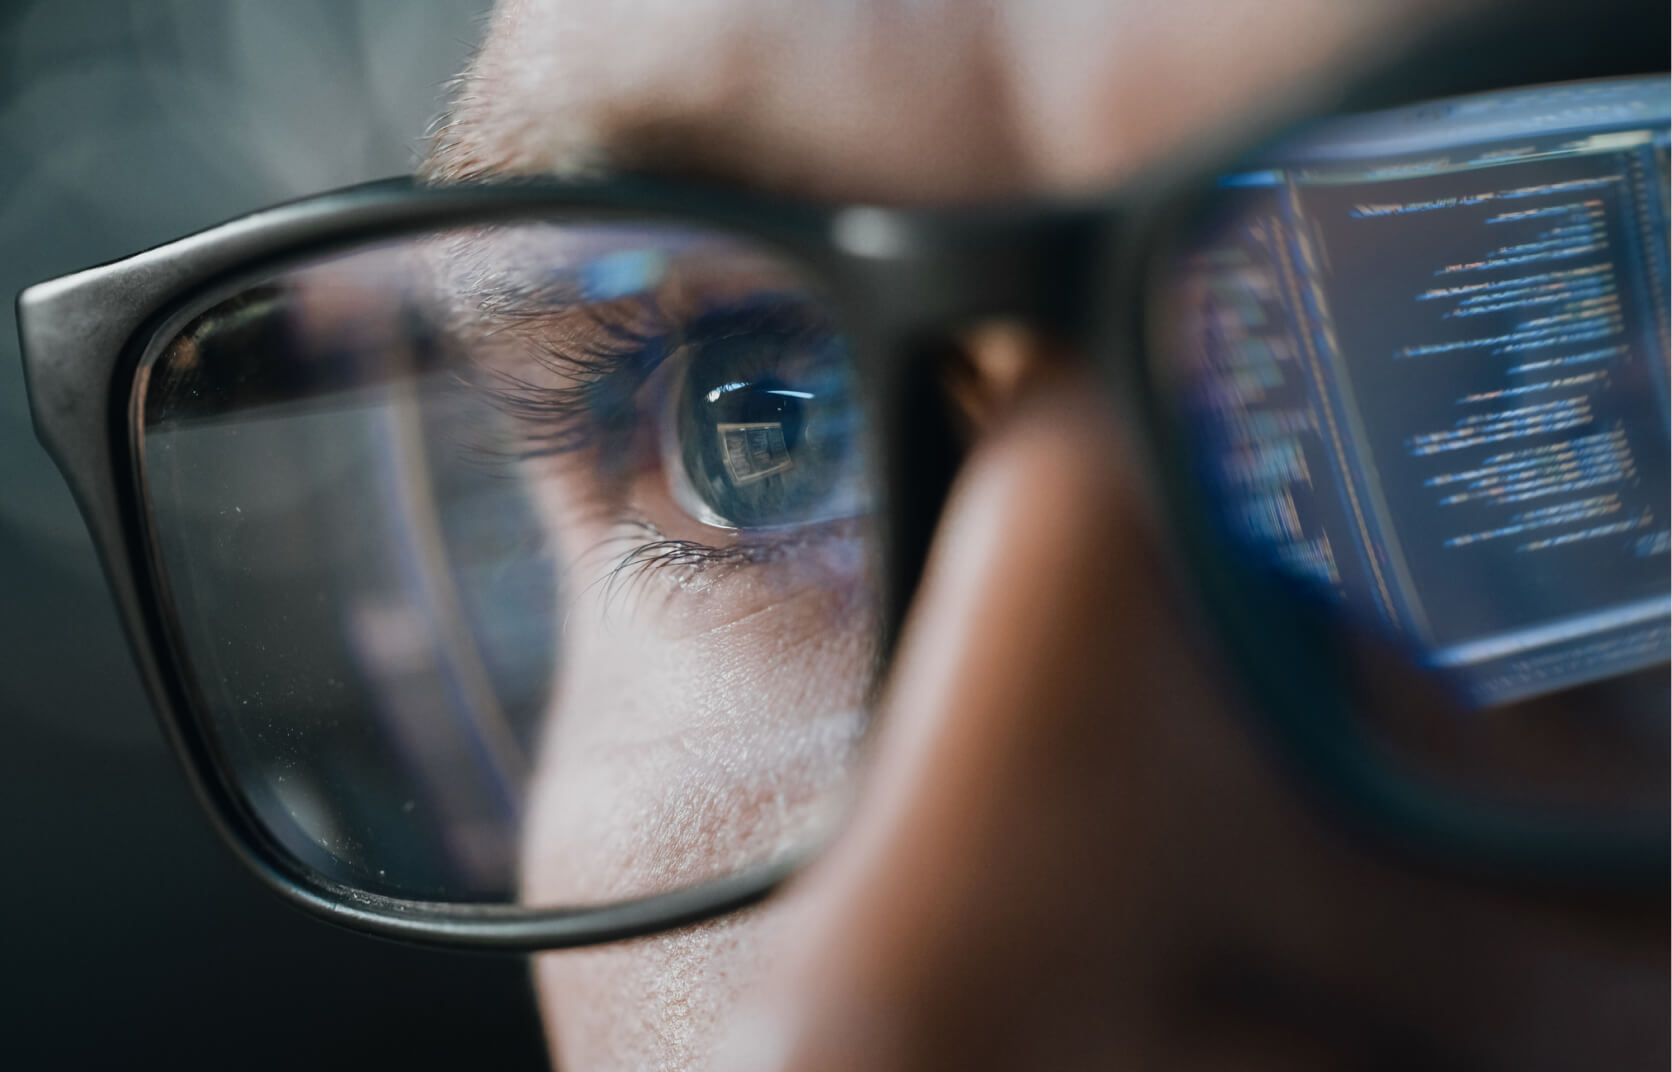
x: 894, y: 100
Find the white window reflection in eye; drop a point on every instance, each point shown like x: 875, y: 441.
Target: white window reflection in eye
x: 754, y: 451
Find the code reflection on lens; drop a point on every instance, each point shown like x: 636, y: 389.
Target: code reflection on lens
x: 1423, y: 359
x: 521, y: 564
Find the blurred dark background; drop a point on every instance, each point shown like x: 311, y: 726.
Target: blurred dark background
x: 130, y: 935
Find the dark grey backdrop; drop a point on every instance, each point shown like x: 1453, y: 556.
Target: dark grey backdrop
x: 128, y: 936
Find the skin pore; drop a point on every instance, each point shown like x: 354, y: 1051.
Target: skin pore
x: 1068, y: 851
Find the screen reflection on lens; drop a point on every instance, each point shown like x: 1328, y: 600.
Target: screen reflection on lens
x: 1422, y: 359
x: 528, y: 563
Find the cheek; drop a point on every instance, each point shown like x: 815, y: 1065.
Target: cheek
x: 672, y: 1001
x: 668, y: 761
x: 700, y: 722
x: 655, y: 775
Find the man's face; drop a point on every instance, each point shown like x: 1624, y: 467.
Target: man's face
x: 1067, y: 851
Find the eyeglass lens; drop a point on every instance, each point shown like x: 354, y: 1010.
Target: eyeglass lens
x: 1422, y: 357
x: 522, y: 564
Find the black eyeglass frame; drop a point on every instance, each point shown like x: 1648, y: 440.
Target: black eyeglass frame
x: 901, y: 281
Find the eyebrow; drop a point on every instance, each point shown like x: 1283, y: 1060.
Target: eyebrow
x: 511, y: 116
x: 463, y: 147
x: 470, y: 141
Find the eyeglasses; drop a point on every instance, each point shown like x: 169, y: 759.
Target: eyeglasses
x: 513, y: 564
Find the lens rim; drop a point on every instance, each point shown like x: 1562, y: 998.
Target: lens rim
x: 90, y: 417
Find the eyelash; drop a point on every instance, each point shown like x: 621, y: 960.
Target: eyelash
x: 609, y: 361
x: 653, y: 553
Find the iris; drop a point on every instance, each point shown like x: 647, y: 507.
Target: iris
x: 764, y: 426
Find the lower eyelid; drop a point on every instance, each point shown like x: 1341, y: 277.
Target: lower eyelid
x: 815, y: 548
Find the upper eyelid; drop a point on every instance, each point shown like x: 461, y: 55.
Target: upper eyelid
x: 598, y: 375
x: 571, y: 381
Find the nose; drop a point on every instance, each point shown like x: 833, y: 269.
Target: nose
x: 995, y: 870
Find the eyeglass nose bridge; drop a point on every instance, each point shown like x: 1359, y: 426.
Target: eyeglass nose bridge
x: 929, y: 274
x: 924, y: 279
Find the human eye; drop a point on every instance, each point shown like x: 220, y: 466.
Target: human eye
x: 709, y: 417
